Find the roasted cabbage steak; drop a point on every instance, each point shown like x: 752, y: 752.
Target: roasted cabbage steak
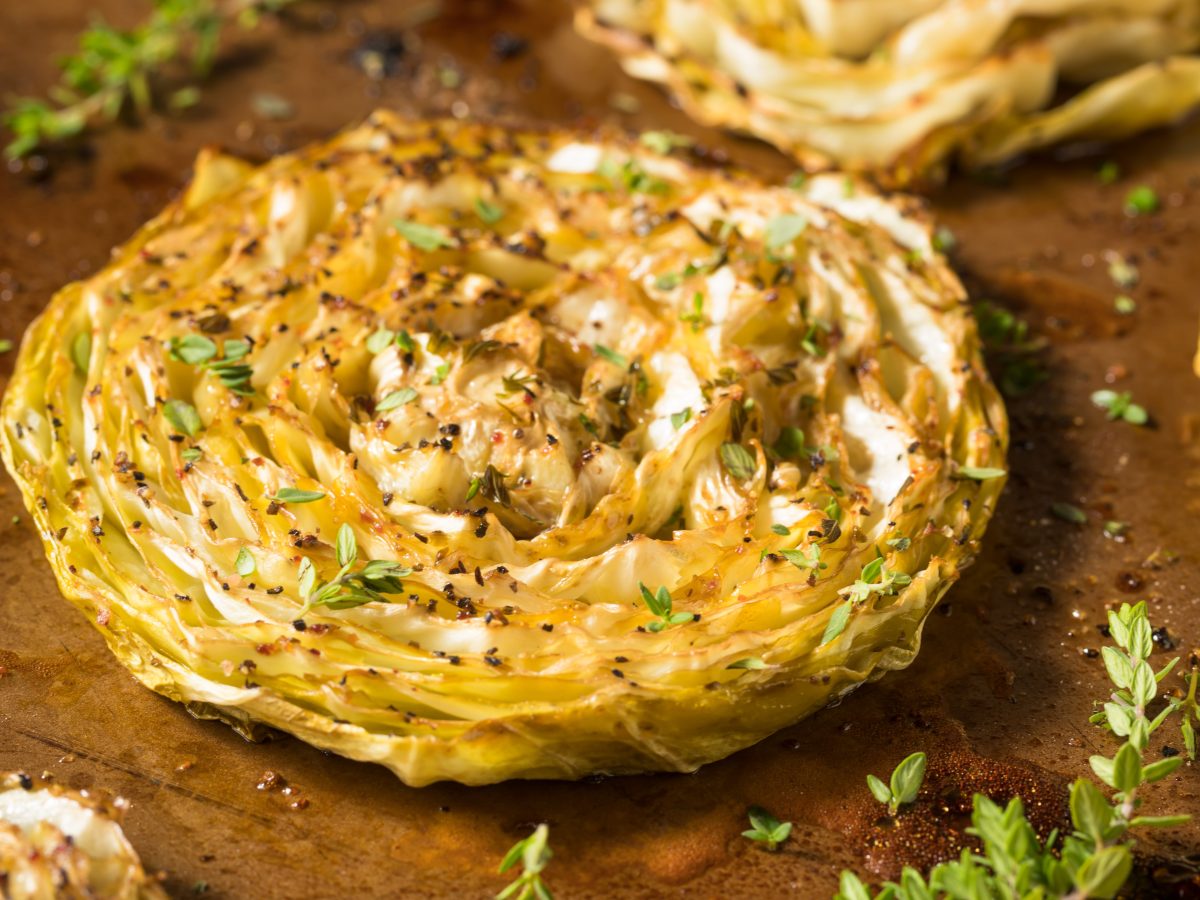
x: 60, y: 844
x: 485, y: 454
x: 901, y: 88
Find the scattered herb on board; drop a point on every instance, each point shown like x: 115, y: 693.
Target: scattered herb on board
x: 1014, y: 355
x: 1069, y: 513
x: 1120, y: 406
x: 904, y: 784
x: 113, y: 70
x: 1096, y: 858
x: 1142, y: 201
x: 533, y: 853
x: 766, y: 829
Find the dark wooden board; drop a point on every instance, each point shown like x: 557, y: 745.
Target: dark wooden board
x: 999, y: 696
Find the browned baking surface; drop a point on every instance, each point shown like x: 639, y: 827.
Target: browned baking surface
x: 999, y: 696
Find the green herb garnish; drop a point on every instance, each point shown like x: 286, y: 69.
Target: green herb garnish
x: 489, y: 212
x: 396, y: 399
x: 533, y: 853
x: 739, y: 462
x: 904, y: 784
x: 750, y: 662
x: 696, y: 316
x: 661, y: 605
x: 423, y: 237
x: 114, y: 69
x: 516, y: 383
x: 350, y: 588
x: 193, y: 349
x: 81, y: 352
x: 980, y: 473
x: 1115, y: 529
x: 664, y: 141
x: 1007, y: 340
x: 492, y: 486
x: 244, y: 565
x: 183, y: 417
x: 1069, y: 513
x: 808, y: 558
x: 631, y: 176
x: 812, y: 340
x: 296, y: 495
x: 1121, y: 406
x: 944, y: 240
x: 380, y: 340
x: 783, y: 229
x: 1095, y: 859
x: 790, y: 443
x: 876, y: 578
x: 766, y: 829
x: 1141, y: 201
x: 611, y: 355
x: 198, y: 350
x: 837, y: 622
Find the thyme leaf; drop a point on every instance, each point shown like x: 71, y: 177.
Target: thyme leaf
x: 766, y: 829
x: 115, y: 69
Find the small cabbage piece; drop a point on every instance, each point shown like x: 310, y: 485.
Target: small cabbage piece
x: 58, y: 843
x: 902, y: 87
x: 500, y: 455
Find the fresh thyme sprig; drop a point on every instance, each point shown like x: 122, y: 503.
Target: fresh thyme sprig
x: 182, y: 416
x: 661, y: 605
x: 114, y: 69
x: 533, y: 853
x: 1095, y: 860
x: 350, y: 588
x: 904, y: 784
x: 517, y: 383
x: 876, y: 578
x: 807, y: 558
x: 696, y: 315
x: 1188, y: 708
x: 1120, y: 406
x: 491, y: 485
x: 1016, y: 355
x: 766, y: 828
x: 198, y: 350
